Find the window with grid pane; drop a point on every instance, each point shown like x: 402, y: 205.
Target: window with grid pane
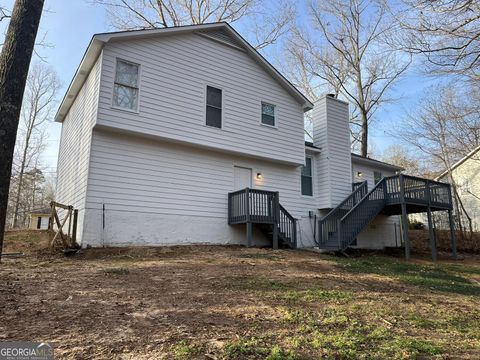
x: 214, y: 107
x: 268, y: 114
x: 377, y: 176
x: 125, y: 92
x: 307, y: 180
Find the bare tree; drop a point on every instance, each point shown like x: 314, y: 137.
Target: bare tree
x: 349, y: 50
x: 14, y: 63
x: 266, y: 24
x: 400, y: 156
x: 38, y: 106
x: 444, y: 128
x: 446, y: 32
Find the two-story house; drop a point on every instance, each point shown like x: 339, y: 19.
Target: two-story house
x: 188, y: 135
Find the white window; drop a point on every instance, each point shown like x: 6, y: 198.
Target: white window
x: 214, y: 107
x: 377, y: 176
x: 307, y: 179
x: 268, y: 114
x: 125, y: 91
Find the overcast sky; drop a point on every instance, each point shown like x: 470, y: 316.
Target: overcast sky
x: 68, y: 26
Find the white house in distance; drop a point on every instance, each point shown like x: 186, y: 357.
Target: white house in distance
x: 466, y: 173
x: 188, y: 135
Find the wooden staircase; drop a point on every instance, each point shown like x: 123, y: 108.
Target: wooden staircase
x: 262, y: 209
x: 393, y: 195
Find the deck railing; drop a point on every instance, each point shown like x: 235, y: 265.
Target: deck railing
x: 344, y: 226
x: 252, y: 205
x: 361, y: 214
x: 287, y: 227
x: 261, y: 207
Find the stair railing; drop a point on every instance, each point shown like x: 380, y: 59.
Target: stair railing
x: 287, y: 226
x: 329, y: 224
x: 355, y: 220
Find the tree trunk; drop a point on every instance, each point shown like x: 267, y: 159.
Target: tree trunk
x: 364, y: 138
x: 14, y: 63
x: 20, y: 178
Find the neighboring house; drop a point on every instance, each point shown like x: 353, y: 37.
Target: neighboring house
x: 184, y: 135
x: 466, y: 175
x: 40, y: 219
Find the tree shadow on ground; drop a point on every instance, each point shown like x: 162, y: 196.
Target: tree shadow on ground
x: 441, y: 277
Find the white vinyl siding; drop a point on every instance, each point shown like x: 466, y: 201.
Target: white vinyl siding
x: 132, y: 175
x: 74, y: 151
x: 331, y: 133
x: 369, y: 173
x: 174, y: 73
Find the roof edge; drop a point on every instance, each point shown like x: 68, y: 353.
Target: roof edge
x: 459, y: 162
x: 376, y: 162
x: 99, y: 40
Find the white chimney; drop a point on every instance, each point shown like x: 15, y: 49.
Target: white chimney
x: 331, y: 133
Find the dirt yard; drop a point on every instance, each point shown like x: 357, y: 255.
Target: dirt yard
x: 211, y: 302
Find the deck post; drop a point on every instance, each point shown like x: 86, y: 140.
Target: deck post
x: 431, y: 234
x: 452, y: 230
x: 339, y: 234
x: 406, y: 240
x: 276, y: 220
x: 247, y: 217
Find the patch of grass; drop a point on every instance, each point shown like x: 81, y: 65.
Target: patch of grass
x: 414, y: 348
x: 435, y: 277
x: 462, y: 269
x: 314, y: 295
x: 336, y: 333
x: 257, y: 348
x: 465, y: 324
x: 258, y: 256
x: 117, y: 271
x: 183, y: 350
x: 258, y: 284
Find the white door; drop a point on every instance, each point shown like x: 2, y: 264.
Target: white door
x: 242, y: 178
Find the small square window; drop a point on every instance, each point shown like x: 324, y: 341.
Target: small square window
x: 214, y: 107
x: 268, y: 114
x: 125, y: 89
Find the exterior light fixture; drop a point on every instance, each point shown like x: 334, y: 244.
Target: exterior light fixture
x: 259, y: 176
x: 359, y: 174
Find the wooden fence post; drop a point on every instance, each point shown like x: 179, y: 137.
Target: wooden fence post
x: 74, y: 228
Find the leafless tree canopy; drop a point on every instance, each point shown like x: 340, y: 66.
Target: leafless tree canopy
x: 348, y: 50
x: 266, y: 24
x: 400, y: 156
x: 445, y: 127
x: 37, y: 110
x: 447, y: 32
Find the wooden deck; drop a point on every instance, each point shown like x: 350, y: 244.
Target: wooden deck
x: 393, y: 195
x: 252, y: 206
